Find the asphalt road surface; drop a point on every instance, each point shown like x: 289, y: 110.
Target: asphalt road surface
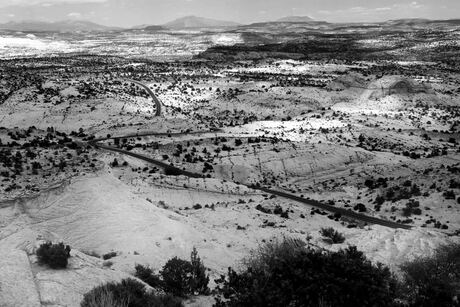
x: 313, y: 203
x: 149, y: 91
x: 177, y: 171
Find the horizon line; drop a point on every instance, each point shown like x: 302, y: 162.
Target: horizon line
x: 239, y: 23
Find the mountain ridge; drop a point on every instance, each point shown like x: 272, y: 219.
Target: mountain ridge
x: 191, y: 22
x: 194, y: 22
x: 57, y: 26
x: 296, y: 19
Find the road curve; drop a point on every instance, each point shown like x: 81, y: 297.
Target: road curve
x: 313, y: 203
x: 163, y: 165
x: 149, y: 91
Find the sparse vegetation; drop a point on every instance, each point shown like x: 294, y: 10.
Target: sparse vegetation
x: 412, y: 207
x: 127, y: 293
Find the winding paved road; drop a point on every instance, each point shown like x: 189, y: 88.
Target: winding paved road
x: 174, y: 170
x: 149, y: 91
x: 343, y: 212
x: 161, y: 164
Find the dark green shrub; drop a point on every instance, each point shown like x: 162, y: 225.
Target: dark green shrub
x: 102, y: 297
x: 182, y: 278
x: 434, y: 281
x: 176, y: 274
x: 360, y: 207
x: 147, y: 275
x: 449, y: 194
x: 289, y: 274
x: 379, y: 200
x: 369, y: 183
x: 333, y: 235
x: 109, y: 255
x: 397, y: 193
x: 127, y: 293
x: 412, y: 207
x: 199, y: 282
x: 54, y: 255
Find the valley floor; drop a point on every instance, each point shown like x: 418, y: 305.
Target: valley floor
x: 343, y: 138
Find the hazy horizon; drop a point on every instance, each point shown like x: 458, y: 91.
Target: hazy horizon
x: 127, y: 13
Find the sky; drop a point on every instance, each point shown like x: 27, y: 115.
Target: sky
x: 126, y: 13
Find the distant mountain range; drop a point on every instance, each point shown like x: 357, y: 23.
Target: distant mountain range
x: 194, y: 22
x: 148, y: 28
x: 420, y: 21
x: 188, y: 22
x: 296, y: 19
x: 59, y: 26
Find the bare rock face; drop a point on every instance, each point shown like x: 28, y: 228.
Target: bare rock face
x: 67, y: 287
x: 78, y: 218
x: 395, y: 247
x: 23, y: 282
x: 17, y: 284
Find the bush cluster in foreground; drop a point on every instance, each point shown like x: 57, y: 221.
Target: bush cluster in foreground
x: 127, y: 293
x: 179, y: 277
x: 434, y: 281
x: 289, y: 273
